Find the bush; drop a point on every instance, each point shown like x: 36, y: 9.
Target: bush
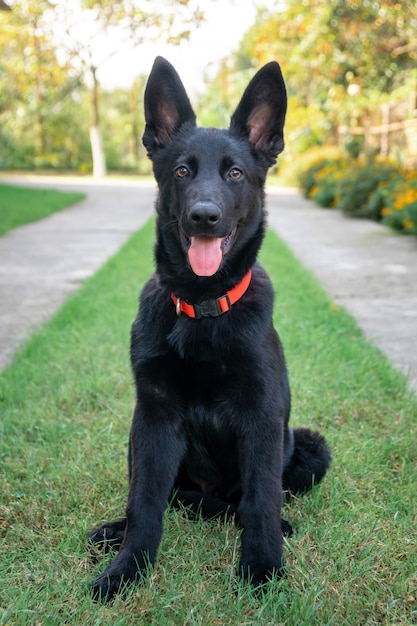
x: 292, y: 170
x: 325, y: 183
x: 307, y: 180
x: 318, y: 175
x: 357, y: 185
x: 399, y: 197
x: 364, y: 188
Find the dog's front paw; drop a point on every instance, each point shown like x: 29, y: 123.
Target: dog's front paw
x: 258, y: 574
x: 108, y: 536
x: 113, y: 581
x: 127, y: 568
x: 106, y: 586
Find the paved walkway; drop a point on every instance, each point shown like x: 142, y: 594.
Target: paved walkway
x: 363, y: 266
x: 42, y: 263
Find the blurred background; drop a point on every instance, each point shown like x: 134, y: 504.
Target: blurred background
x: 72, y: 75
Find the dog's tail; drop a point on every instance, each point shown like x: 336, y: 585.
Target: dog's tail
x: 308, y: 463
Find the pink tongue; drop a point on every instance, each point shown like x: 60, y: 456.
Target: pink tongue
x: 205, y: 255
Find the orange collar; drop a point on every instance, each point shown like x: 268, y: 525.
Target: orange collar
x: 213, y: 308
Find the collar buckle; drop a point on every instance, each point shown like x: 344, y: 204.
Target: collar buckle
x: 211, y: 308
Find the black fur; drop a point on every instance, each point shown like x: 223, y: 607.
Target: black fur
x: 210, y: 426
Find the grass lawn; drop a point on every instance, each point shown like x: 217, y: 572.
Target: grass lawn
x: 21, y: 205
x: 66, y: 406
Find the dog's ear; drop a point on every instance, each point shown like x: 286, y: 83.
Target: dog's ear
x: 260, y: 115
x: 167, y: 106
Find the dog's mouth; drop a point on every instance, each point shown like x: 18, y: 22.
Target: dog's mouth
x: 206, y: 253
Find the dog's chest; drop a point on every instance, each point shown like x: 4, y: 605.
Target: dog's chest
x: 215, y: 368
x: 206, y: 383
x: 200, y: 341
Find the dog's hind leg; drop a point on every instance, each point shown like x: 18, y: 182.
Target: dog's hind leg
x: 308, y: 463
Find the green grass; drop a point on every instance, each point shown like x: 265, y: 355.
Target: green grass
x: 21, y: 205
x: 66, y: 407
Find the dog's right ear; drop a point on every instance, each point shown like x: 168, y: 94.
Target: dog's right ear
x: 167, y: 106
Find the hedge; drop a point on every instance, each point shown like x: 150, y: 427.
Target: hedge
x: 364, y: 187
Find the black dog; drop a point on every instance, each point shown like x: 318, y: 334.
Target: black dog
x: 213, y: 401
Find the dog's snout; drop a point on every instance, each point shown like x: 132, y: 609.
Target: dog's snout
x: 204, y: 214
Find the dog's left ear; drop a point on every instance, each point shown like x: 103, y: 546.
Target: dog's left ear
x: 260, y: 114
x: 167, y: 106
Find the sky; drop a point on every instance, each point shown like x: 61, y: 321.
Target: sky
x: 226, y: 23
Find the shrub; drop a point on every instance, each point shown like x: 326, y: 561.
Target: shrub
x: 320, y: 174
x: 399, y: 198
x: 292, y: 170
x: 357, y: 185
x: 364, y: 188
x: 307, y: 180
x: 325, y: 182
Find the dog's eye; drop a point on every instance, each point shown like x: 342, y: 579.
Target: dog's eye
x: 182, y: 171
x: 235, y: 173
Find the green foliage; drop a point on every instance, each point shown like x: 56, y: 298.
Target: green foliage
x: 15, y: 154
x: 399, y: 199
x: 299, y: 169
x: 364, y: 188
x: 220, y: 98
x: 341, y: 61
x: 358, y: 182
x: 46, y: 107
x: 326, y: 182
x: 354, y: 146
x: 40, y: 113
x: 66, y: 406
x: 335, y: 43
x: 318, y: 180
x: 21, y: 205
x: 123, y: 123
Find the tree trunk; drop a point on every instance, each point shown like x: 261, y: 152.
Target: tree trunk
x: 97, y: 152
x: 134, y: 143
x: 99, y: 159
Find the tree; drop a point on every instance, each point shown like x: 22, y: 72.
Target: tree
x: 322, y: 44
x: 93, y: 32
x: 35, y: 90
x: 338, y: 57
x: 52, y: 52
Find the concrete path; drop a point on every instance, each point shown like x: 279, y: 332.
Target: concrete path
x: 42, y: 263
x: 363, y: 266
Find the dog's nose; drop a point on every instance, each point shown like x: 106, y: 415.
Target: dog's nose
x: 204, y: 214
